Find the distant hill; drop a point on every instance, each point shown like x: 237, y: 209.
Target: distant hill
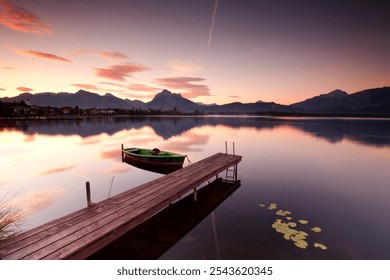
x: 167, y: 100
x: 83, y: 99
x: 321, y: 102
x: 370, y: 101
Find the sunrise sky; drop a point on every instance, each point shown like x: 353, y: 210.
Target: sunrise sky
x: 210, y: 51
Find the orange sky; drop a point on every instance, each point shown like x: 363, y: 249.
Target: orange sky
x: 211, y: 51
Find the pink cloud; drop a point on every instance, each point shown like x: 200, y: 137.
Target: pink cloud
x: 20, y: 19
x: 2, y: 89
x: 135, y: 87
x: 78, y: 52
x: 137, y: 96
x: 41, y: 55
x: 112, y: 55
x: 119, y: 72
x: 86, y: 86
x: 113, y: 84
x: 186, y: 85
x: 24, y: 89
x: 142, y: 88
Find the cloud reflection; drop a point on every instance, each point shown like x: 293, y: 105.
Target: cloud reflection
x: 116, y: 169
x: 56, y: 170
x: 40, y: 199
x: 111, y: 154
x: 187, y: 143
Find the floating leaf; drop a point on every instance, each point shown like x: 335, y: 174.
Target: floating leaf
x: 298, y: 237
x: 272, y: 206
x: 303, y: 222
x: 280, y: 213
x: 321, y: 246
x: 262, y: 205
x: 291, y: 224
x: 301, y: 244
x: 316, y: 229
x: 288, y: 218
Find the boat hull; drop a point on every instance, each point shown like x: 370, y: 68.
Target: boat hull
x: 163, y: 162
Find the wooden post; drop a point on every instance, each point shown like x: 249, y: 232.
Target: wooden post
x: 88, y: 189
x: 122, y: 151
x: 195, y: 196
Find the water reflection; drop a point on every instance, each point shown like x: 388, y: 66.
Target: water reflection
x: 332, y: 172
x: 374, y: 132
x: 154, y: 237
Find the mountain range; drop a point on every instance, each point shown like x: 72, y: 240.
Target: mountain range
x: 369, y: 101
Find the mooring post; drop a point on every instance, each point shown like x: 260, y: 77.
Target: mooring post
x: 88, y: 189
x: 122, y: 151
x: 195, y: 196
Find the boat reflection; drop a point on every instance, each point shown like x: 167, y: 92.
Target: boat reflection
x: 153, y: 238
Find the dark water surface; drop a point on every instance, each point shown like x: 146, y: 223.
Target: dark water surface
x: 331, y: 175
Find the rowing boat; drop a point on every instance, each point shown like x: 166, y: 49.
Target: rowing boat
x: 153, y: 160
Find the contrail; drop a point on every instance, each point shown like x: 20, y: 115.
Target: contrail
x: 212, y: 23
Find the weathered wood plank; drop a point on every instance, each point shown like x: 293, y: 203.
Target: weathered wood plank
x: 83, y: 232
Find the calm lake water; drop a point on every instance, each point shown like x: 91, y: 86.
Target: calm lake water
x: 327, y: 175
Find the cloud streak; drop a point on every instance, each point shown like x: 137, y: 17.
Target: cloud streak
x: 186, y: 84
x: 42, y: 55
x: 119, y: 72
x: 24, y: 89
x: 86, y: 86
x: 142, y: 88
x: 110, y: 55
x: 184, y: 67
x: 212, y: 23
x: 22, y: 20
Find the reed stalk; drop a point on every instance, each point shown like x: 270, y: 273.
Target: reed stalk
x: 10, y: 217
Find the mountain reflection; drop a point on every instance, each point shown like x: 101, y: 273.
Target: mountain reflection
x: 373, y: 132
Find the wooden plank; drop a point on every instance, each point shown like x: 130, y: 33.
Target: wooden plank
x: 83, y: 232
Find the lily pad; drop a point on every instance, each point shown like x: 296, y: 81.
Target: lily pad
x: 288, y: 218
x: 292, y: 224
x: 298, y: 237
x: 262, y: 205
x: 301, y: 244
x: 321, y: 246
x: 316, y: 229
x: 272, y: 206
x: 303, y: 222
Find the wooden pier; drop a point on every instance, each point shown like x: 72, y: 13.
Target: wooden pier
x: 82, y: 233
